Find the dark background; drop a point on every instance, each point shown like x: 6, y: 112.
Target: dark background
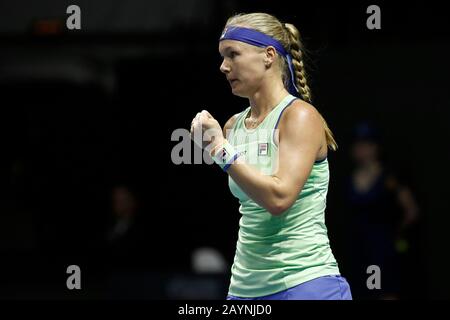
x: 83, y: 110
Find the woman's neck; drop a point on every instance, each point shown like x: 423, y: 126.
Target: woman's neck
x: 267, y: 98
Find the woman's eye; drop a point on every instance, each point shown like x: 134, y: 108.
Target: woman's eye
x: 233, y: 54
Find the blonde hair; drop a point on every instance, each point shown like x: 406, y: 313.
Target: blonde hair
x: 289, y: 37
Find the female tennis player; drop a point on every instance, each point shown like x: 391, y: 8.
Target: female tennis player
x: 275, y: 153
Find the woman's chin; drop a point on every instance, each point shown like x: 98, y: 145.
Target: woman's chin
x: 238, y: 93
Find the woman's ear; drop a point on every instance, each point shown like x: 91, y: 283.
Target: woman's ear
x: 269, y: 58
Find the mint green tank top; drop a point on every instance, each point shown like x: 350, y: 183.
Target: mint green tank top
x: 275, y: 253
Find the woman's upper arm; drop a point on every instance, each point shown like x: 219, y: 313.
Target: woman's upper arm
x: 301, y: 135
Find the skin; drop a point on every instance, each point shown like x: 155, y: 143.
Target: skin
x: 124, y: 203
x: 301, y: 139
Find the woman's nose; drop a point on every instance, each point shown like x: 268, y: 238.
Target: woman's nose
x: 224, y: 67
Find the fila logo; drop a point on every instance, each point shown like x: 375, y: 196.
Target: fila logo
x: 263, y: 149
x: 224, y: 155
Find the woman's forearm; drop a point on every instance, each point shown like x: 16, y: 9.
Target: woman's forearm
x: 265, y: 190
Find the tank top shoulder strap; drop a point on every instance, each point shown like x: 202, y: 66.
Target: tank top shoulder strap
x: 280, y: 109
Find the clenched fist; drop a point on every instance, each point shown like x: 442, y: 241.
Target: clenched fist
x: 206, y: 131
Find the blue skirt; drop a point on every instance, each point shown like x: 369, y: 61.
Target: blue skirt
x: 333, y: 287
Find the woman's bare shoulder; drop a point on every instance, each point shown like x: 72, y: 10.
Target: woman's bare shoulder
x: 300, y: 119
x: 300, y: 113
x: 300, y: 108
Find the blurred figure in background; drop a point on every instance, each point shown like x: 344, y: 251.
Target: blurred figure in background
x: 124, y: 235
x: 381, y: 210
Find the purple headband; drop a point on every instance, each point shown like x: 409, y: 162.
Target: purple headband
x: 260, y: 39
